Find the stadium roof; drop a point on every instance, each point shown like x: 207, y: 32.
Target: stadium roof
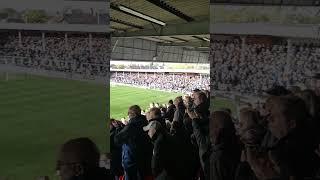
x: 269, y: 2
x: 172, y: 21
x: 292, y: 31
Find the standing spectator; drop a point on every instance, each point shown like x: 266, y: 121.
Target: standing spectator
x: 136, y: 146
x: 225, y: 154
x: 188, y: 152
x: 201, y: 136
x: 201, y: 104
x: 165, y: 161
x: 251, y: 134
x: 312, y: 103
x: 316, y: 84
x: 180, y: 109
x: 154, y: 114
x: 293, y: 156
x: 170, y: 111
x: 115, y: 150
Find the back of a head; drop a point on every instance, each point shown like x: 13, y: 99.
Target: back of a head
x: 134, y: 111
x: 221, y: 127
x: 187, y: 99
x: 170, y: 102
x: 196, y: 90
x: 155, y: 113
x: 278, y: 91
x: 249, y: 119
x: 178, y: 100
x: 228, y: 110
x: 201, y: 97
x: 294, y: 89
x: 312, y: 102
x: 292, y: 107
x: 80, y: 150
x: 250, y: 115
x: 207, y: 93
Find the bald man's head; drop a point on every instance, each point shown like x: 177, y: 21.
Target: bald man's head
x: 77, y: 156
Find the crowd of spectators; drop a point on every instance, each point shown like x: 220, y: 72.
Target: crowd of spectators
x: 253, y: 68
x: 56, y: 53
x: 170, y: 82
x: 165, y: 142
x: 275, y: 139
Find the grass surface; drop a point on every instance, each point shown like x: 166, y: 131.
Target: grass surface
x: 218, y: 103
x: 38, y: 114
x: 122, y: 97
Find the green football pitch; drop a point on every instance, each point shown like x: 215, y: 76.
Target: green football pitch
x: 122, y: 97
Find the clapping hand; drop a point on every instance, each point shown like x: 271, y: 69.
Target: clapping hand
x: 192, y: 114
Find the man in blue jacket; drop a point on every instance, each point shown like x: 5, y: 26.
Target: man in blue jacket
x: 136, y: 146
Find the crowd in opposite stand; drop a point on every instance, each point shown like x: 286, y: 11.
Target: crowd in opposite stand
x: 183, y: 83
x: 55, y: 52
x: 252, y: 68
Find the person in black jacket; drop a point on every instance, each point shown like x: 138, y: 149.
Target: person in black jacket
x: 188, y: 152
x: 136, y: 146
x: 200, y: 134
x: 166, y: 164
x: 293, y: 154
x: 225, y: 155
x: 219, y: 152
x: 201, y: 104
x: 180, y: 109
x: 170, y: 111
x: 79, y: 160
x: 115, y: 150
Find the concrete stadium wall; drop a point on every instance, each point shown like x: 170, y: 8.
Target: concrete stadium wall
x: 52, y: 74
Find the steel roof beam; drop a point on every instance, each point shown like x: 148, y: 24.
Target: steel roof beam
x: 125, y: 23
x: 165, y: 6
x: 179, y: 39
x: 137, y: 14
x: 192, y: 28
